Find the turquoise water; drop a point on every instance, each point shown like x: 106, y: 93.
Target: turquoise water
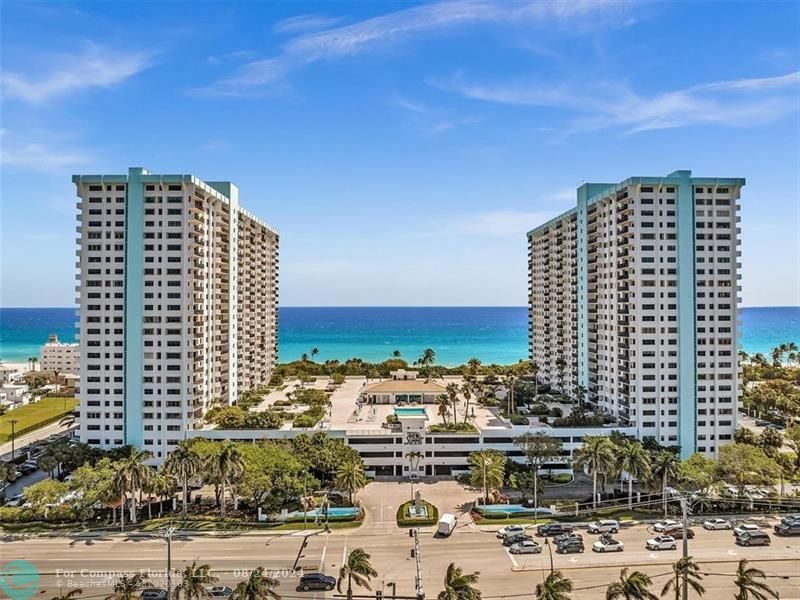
x: 409, y: 412
x: 332, y: 512
x: 512, y: 509
x: 493, y: 334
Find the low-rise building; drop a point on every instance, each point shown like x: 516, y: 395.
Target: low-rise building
x: 59, y: 356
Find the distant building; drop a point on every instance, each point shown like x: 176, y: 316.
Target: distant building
x: 633, y: 303
x: 59, y: 356
x: 178, y: 304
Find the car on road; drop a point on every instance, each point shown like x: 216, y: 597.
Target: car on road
x: 220, y: 591
x: 776, y: 427
x: 753, y: 538
x: 525, y: 547
x: 510, y: 540
x: 745, y: 528
x: 662, y: 525
x: 153, y: 594
x: 713, y: 524
x: 762, y: 423
x: 608, y: 545
x: 676, y: 531
x: 787, y: 529
x: 604, y: 526
x: 316, y: 581
x: 553, y: 529
x: 570, y: 545
x: 661, y: 542
x: 510, y: 530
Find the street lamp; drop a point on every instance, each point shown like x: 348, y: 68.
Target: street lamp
x: 13, y: 436
x: 168, y: 536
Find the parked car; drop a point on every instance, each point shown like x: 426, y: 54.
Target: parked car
x: 790, y: 519
x: 745, y: 528
x: 15, y: 501
x: 510, y: 530
x: 713, y: 524
x: 676, y: 531
x: 753, y: 538
x: 608, y: 545
x: 316, y: 581
x: 220, y: 591
x: 510, y: 540
x: 525, y: 547
x: 662, y: 525
x: 570, y: 545
x: 762, y: 423
x: 567, y: 536
x: 776, y: 427
x: 604, y: 526
x: 153, y: 594
x: 661, y: 542
x: 787, y: 529
x: 553, y: 529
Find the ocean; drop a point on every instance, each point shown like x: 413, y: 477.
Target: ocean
x: 492, y: 334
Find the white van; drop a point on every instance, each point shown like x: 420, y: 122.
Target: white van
x: 447, y: 522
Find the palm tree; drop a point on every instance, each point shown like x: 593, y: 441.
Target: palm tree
x: 426, y: 361
x: 183, y: 463
x: 451, y: 389
x: 193, y: 583
x: 70, y: 595
x: 631, y: 587
x: 227, y: 466
x: 350, y: 477
x: 580, y: 395
x: 633, y: 459
x: 487, y: 470
x: 747, y: 588
x: 443, y: 402
x: 597, y: 455
x: 128, y: 588
x: 684, y: 567
x: 509, y: 381
x: 396, y: 354
x: 314, y: 352
x: 535, y: 368
x: 132, y: 474
x: 459, y: 586
x: 357, y: 570
x: 665, y: 465
x: 466, y: 391
x: 257, y: 587
x: 555, y: 587
x: 561, y: 365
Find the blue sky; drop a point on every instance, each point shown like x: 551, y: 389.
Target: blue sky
x: 402, y: 149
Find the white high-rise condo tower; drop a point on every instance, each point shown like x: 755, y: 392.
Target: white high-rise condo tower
x: 633, y: 298
x: 177, y: 300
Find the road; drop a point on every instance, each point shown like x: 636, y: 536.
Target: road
x: 34, y: 436
x: 90, y: 560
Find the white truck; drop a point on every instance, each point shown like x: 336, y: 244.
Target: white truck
x: 447, y: 523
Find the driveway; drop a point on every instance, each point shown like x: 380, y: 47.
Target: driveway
x: 381, y: 499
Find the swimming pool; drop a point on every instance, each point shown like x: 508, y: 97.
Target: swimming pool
x: 412, y: 411
x: 333, y: 511
x: 512, y: 509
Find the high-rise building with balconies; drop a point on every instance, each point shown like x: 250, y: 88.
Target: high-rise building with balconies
x: 633, y: 305
x: 177, y: 296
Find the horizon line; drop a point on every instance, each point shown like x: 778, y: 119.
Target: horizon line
x: 393, y: 306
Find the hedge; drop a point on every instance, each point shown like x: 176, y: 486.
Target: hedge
x: 404, y: 519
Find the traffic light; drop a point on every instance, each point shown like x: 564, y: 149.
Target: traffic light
x: 378, y: 595
x: 413, y: 553
x: 410, y: 533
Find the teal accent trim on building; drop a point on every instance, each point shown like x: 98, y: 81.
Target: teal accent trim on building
x: 134, y: 308
x: 687, y: 299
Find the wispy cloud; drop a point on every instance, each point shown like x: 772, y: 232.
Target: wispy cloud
x: 395, y: 27
x: 409, y: 105
x: 305, y: 23
x: 94, y: 66
x: 734, y: 103
x: 215, y: 145
x: 35, y: 156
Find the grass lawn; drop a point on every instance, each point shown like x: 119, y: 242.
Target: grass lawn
x: 35, y: 415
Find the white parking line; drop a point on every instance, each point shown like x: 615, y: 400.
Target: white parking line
x: 322, y: 558
x: 513, y: 560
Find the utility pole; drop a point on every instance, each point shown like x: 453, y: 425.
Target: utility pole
x: 13, y: 436
x: 685, y: 511
x: 418, y: 578
x: 168, y: 536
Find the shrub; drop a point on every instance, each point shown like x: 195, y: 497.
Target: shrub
x: 338, y: 378
x: 539, y: 409
x: 404, y: 518
x: 276, y: 380
x: 519, y: 420
x: 392, y: 419
x: 452, y: 428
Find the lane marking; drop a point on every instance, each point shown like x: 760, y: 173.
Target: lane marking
x: 322, y: 558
